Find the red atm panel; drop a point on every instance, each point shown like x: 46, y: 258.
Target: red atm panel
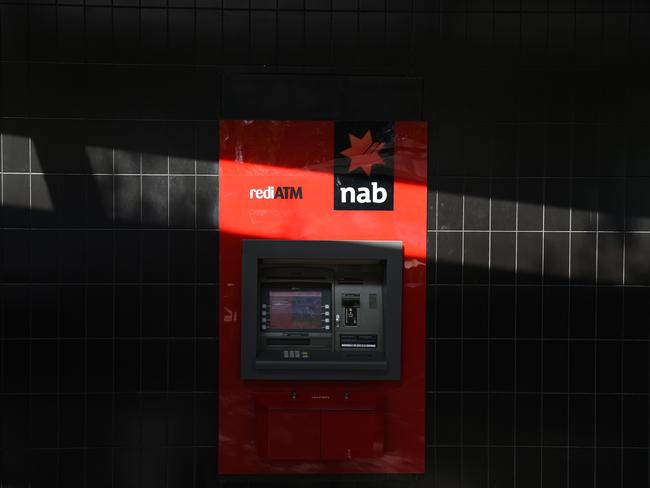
x: 299, y: 180
x: 352, y: 434
x: 292, y: 435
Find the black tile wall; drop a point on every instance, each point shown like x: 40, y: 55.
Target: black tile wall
x: 539, y: 279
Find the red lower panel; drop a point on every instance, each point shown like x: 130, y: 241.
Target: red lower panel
x: 352, y: 435
x: 292, y: 435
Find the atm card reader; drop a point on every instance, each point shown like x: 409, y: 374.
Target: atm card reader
x: 350, y: 309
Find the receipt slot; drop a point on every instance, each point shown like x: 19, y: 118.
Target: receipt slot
x: 322, y: 297
x: 321, y: 310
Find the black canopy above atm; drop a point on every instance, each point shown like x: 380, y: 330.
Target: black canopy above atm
x: 321, y: 310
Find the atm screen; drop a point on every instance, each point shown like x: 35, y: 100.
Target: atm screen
x: 295, y: 309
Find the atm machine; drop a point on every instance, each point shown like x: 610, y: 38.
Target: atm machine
x: 321, y: 310
x: 322, y: 297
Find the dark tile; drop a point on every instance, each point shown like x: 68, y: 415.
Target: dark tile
x: 71, y: 256
x: 127, y: 311
x: 181, y: 365
x: 503, y: 311
x: 71, y: 409
x: 155, y: 201
x: 584, y: 201
x: 128, y: 201
x: 99, y: 256
x: 180, y: 419
x: 207, y: 257
x: 99, y: 366
x: 44, y: 357
x: 475, y: 311
x: 42, y: 254
x: 154, y: 365
x: 635, y: 367
x: 502, y: 379
x: 43, y: 421
x: 475, y: 375
x: 450, y: 204
x: 503, y: 204
x: 583, y: 258
x: 556, y: 257
x: 531, y: 148
x: 15, y: 256
x: 155, y: 311
x: 207, y: 148
x: 127, y: 366
x: 531, y: 204
x: 583, y: 312
x: 182, y: 202
x: 610, y: 313
x: 556, y: 312
x: 608, y: 367
x: 581, y: 420
x: 528, y: 362
x: 555, y: 372
x: 99, y: 46
x: 611, y: 204
x: 44, y: 308
x: 557, y: 203
x: 16, y: 367
x: 207, y: 202
x: 206, y: 427
x: 154, y: 409
x: 16, y: 310
x: 127, y: 467
x: 638, y: 204
x: 71, y: 366
x: 475, y: 427
x: 182, y: 311
x: 581, y: 466
x: 16, y: 204
x: 503, y: 257
x: 128, y: 256
x: 477, y: 204
x: 181, y: 256
x: 99, y: 419
x: 476, y: 264
x: 449, y: 259
x: 636, y: 312
x: 206, y: 310
x: 610, y: 258
x: 155, y: 256
x: 528, y: 423
x: 72, y: 318
x: 181, y: 146
x: 448, y: 361
x: 529, y: 257
x: 206, y: 365
x: 99, y: 311
x: 637, y: 266
x: 15, y: 148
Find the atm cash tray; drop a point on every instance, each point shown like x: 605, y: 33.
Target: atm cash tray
x: 312, y: 426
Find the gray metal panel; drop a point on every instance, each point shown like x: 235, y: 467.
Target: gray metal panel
x: 388, y: 251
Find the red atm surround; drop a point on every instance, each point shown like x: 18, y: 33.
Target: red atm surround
x: 296, y: 427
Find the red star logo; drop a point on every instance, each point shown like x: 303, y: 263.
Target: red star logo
x: 363, y: 153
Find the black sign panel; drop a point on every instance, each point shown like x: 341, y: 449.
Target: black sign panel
x: 364, y: 170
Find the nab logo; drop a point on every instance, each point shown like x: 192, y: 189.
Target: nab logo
x: 364, y: 166
x: 272, y: 193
